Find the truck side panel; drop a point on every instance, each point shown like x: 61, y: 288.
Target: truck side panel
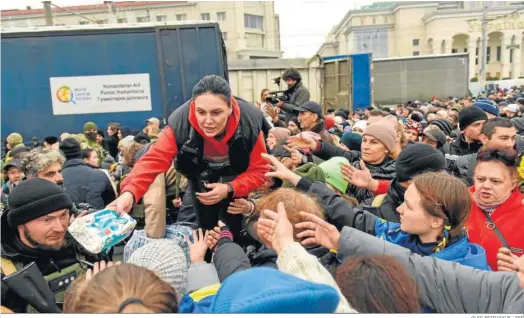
x: 419, y: 78
x: 189, y: 54
x: 27, y: 65
x: 175, y: 57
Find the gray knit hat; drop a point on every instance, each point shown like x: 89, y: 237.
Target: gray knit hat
x: 166, y: 259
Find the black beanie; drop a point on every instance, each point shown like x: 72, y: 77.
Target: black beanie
x: 444, y: 125
x: 71, y: 148
x: 34, y: 198
x: 51, y: 140
x: 142, y: 138
x: 469, y: 115
x: 416, y: 159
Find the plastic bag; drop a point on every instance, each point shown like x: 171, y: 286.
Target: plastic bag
x: 99, y: 231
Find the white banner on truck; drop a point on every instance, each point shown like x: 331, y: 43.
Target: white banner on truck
x: 100, y: 94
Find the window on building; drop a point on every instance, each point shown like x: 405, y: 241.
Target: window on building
x: 101, y: 21
x: 511, y: 56
x: 181, y: 17
x: 373, y: 20
x: 416, y: 42
x: 205, y: 16
x: 497, y: 75
x: 466, y: 50
x: 488, y: 55
x: 499, y: 53
x: 221, y: 16
x: 416, y: 53
x: 143, y: 19
x: 224, y: 35
x: 123, y: 20
x: 83, y: 22
x: 60, y: 24
x: 477, y: 56
x: 253, y: 21
x: 453, y: 50
x: 161, y: 18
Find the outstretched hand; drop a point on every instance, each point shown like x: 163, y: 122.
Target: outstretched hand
x: 98, y: 267
x: 296, y: 156
x: 197, y: 248
x: 317, y: 231
x: 303, y: 141
x: 279, y: 170
x: 360, y: 178
x: 275, y: 228
x: 218, y: 192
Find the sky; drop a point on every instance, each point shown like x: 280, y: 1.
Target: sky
x: 304, y: 24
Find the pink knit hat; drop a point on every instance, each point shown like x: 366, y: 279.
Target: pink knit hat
x: 385, y: 130
x: 280, y: 133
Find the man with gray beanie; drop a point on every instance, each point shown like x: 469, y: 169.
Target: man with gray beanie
x: 34, y: 229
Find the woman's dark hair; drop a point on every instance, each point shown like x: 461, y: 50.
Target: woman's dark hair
x: 86, y: 153
x: 215, y: 85
x: 293, y: 74
x: 506, y: 157
x: 378, y: 284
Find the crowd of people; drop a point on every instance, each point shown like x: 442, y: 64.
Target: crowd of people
x: 281, y: 206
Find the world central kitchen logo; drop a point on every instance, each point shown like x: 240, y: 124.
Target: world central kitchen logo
x: 65, y: 95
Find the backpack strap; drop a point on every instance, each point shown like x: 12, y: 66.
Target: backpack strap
x: 378, y: 200
x: 8, y: 267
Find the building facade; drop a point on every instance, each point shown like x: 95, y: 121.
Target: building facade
x: 399, y: 29
x: 250, y: 29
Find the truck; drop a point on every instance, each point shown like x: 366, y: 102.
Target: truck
x: 346, y: 81
x: 398, y: 80
x: 58, y: 78
x: 357, y: 81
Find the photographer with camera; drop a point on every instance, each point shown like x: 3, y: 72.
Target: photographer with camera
x: 217, y: 142
x: 295, y: 95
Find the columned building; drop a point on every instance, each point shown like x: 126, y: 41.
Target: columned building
x: 399, y: 29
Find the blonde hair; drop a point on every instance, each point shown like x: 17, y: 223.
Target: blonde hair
x: 107, y: 291
x: 294, y: 202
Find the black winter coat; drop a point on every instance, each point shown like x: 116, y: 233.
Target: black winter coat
x: 383, y: 171
x: 112, y: 145
x: 460, y: 147
x: 388, y: 210
x: 48, y: 261
x: 86, y: 184
x: 297, y: 96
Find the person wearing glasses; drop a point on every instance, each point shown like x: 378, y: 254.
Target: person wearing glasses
x: 497, y: 216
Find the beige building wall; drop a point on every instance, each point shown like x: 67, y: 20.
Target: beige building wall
x: 248, y: 78
x: 241, y: 42
x: 436, y: 27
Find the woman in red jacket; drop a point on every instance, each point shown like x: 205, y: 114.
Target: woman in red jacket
x: 216, y: 141
x: 497, y: 216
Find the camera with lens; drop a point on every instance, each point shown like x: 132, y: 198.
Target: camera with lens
x: 276, y: 96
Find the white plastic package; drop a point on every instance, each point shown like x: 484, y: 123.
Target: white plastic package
x: 99, y: 231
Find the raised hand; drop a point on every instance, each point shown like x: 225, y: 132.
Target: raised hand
x: 279, y: 170
x: 360, y: 178
x: 317, y: 231
x: 197, y: 248
x: 275, y: 228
